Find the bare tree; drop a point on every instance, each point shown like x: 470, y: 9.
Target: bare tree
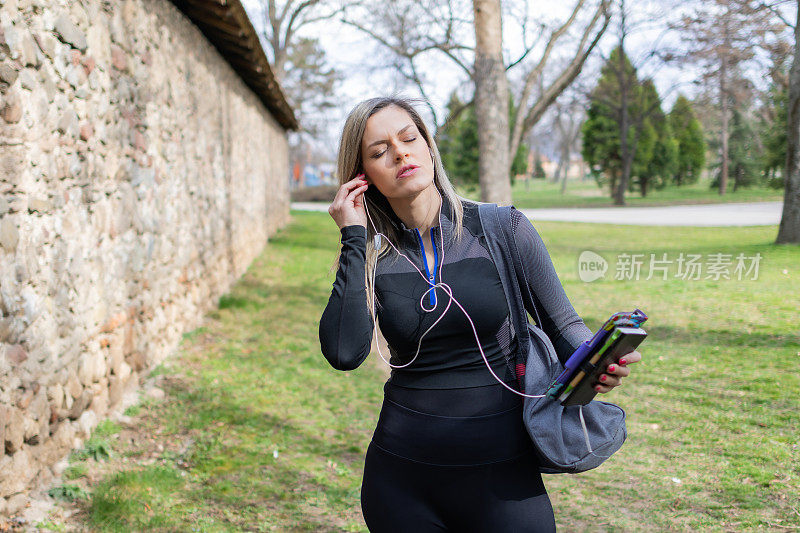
x: 723, y: 35
x: 588, y: 40
x: 789, y: 229
x: 567, y: 120
x: 491, y: 102
x: 779, y: 19
x: 415, y: 29
x: 299, y: 62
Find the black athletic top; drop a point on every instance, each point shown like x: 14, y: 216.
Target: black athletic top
x: 449, y: 356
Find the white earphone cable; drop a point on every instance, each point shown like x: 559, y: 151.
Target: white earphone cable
x: 449, y: 291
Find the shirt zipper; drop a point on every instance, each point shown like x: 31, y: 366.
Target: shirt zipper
x: 431, y: 277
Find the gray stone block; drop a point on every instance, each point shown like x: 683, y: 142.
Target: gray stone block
x: 17, y: 471
x: 8, y: 73
x: 16, y: 503
x: 9, y: 234
x: 69, y: 33
x: 15, y: 430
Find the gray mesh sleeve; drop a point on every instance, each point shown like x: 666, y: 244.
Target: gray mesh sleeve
x: 559, y: 320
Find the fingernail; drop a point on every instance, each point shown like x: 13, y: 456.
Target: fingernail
x: 597, y: 388
x: 603, y: 377
x: 623, y: 362
x: 611, y: 368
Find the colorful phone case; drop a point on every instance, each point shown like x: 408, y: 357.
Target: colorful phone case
x: 625, y: 341
x: 588, y: 348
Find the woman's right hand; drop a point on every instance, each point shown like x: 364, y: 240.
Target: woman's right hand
x: 347, y: 208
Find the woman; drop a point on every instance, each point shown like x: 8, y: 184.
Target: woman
x: 450, y: 451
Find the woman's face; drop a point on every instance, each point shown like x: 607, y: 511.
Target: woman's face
x: 396, y: 158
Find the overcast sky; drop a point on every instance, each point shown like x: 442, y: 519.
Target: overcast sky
x: 357, y: 56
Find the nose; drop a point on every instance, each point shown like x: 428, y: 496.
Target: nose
x: 400, y: 153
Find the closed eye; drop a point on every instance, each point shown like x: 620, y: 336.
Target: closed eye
x: 376, y: 156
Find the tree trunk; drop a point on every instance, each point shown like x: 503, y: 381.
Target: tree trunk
x: 624, y: 126
x: 613, y: 179
x: 723, y: 90
x: 491, y: 104
x: 622, y: 185
x: 789, y: 229
x: 566, y: 174
x: 559, y: 168
x: 566, y: 154
x: 626, y: 157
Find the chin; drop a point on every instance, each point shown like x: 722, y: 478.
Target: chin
x: 414, y: 185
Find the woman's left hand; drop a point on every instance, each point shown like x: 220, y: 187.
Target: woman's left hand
x: 616, y: 371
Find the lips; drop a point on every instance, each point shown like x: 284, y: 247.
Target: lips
x: 406, y: 171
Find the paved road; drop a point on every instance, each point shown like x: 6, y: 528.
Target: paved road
x: 736, y: 214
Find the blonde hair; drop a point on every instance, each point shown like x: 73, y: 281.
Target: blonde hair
x: 350, y: 163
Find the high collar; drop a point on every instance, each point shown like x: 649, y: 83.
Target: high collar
x: 446, y: 218
x: 408, y: 237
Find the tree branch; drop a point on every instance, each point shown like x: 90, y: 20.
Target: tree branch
x: 771, y: 9
x: 526, y: 121
x: 290, y: 29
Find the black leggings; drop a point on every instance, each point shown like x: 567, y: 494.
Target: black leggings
x: 472, y: 469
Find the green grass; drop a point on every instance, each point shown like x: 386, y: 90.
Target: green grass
x: 276, y: 437
x: 68, y: 492
x: 542, y: 194
x: 75, y: 471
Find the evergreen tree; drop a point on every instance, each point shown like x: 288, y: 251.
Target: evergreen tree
x: 647, y: 135
x: 745, y: 152
x: 773, y: 136
x: 691, y: 144
x: 520, y: 163
x: 458, y: 145
x: 657, y: 158
x: 600, y: 144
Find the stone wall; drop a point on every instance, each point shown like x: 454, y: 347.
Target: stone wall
x: 139, y: 176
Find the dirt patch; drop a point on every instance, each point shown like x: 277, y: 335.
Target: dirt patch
x: 140, y: 442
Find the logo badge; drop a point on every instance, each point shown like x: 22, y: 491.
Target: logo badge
x: 591, y: 266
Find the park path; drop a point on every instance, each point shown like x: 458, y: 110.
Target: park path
x: 733, y: 214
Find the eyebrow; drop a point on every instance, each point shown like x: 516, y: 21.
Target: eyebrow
x: 385, y: 141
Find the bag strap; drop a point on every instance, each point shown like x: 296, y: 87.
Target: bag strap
x: 493, y: 218
x: 504, y: 214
